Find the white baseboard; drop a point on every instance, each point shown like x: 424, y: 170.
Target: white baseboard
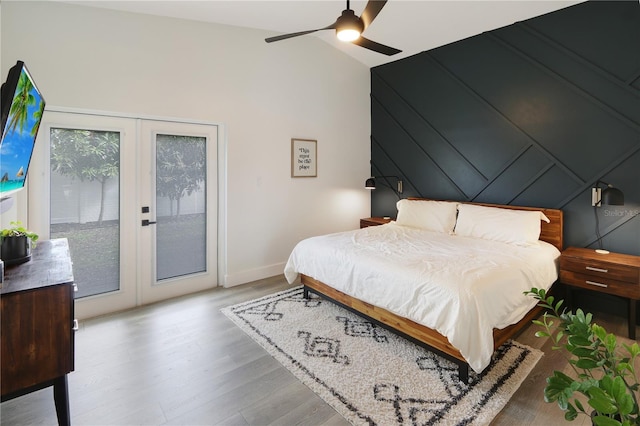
x: 232, y: 280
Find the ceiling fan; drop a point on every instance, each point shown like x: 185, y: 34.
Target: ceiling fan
x: 349, y: 28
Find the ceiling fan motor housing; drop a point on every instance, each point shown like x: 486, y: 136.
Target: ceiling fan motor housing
x: 349, y: 21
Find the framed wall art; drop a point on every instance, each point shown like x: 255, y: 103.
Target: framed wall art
x: 304, y: 160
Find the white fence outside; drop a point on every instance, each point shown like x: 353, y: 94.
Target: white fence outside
x: 74, y: 201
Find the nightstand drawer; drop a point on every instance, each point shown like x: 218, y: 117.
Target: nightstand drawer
x: 595, y: 282
x: 613, y: 273
x: 602, y: 270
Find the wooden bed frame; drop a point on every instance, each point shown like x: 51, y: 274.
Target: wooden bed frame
x: 427, y: 337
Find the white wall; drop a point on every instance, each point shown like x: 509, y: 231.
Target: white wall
x: 263, y: 94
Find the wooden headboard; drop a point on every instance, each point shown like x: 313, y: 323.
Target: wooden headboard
x: 549, y: 232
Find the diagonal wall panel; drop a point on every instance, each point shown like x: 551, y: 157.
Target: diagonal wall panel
x: 530, y: 114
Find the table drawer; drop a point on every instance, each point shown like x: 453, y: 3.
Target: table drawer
x: 595, y: 282
x: 602, y: 270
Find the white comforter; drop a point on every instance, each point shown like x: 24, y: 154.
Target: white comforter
x: 462, y: 287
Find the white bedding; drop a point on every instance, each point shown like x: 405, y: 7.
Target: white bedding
x: 462, y: 287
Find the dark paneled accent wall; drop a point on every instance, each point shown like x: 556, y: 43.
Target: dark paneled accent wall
x: 531, y: 114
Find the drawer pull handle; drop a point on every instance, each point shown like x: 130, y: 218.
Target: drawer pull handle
x: 76, y: 325
x: 591, y: 268
x: 595, y: 283
x: 75, y: 288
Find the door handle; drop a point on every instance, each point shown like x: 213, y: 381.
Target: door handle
x: 147, y: 222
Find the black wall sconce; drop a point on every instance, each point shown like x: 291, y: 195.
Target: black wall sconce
x: 607, y: 195
x: 371, y: 183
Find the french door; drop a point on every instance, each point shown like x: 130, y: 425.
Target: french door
x: 137, y: 201
x: 178, y: 226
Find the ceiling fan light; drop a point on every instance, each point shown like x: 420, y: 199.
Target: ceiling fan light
x: 348, y: 34
x: 349, y: 26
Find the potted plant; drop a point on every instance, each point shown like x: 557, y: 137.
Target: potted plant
x: 16, y: 243
x: 603, y: 370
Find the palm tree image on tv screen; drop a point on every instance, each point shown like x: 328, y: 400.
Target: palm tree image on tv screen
x: 19, y: 134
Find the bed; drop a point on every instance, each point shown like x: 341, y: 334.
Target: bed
x: 448, y: 276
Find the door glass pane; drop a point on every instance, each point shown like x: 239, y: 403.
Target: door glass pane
x: 85, y: 205
x: 180, y: 206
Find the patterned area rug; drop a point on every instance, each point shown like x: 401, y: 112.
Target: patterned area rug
x: 371, y: 376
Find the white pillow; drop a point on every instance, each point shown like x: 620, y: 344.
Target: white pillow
x: 438, y: 216
x: 493, y: 223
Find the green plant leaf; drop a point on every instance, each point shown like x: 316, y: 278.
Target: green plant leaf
x: 586, y: 384
x: 618, y: 390
x: 586, y: 364
x: 599, y: 332
x: 560, y: 388
x: 610, y: 342
x: 584, y: 352
x: 571, y: 413
x: 634, y: 349
x: 578, y: 328
x: 615, y: 387
x: 624, y: 366
x: 605, y: 421
x: 588, y: 317
x: 578, y: 340
x: 601, y: 401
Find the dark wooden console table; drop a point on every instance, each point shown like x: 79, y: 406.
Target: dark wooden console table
x: 38, y: 325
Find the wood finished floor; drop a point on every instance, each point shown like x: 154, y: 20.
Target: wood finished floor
x: 183, y: 362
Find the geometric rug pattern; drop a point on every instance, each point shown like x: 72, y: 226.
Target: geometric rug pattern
x: 370, y: 375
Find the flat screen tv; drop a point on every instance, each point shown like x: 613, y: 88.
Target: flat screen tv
x: 22, y: 107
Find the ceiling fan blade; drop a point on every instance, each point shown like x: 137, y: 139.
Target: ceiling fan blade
x: 376, y: 47
x: 371, y: 10
x: 286, y: 36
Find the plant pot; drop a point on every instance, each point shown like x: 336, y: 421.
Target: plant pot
x: 15, y: 250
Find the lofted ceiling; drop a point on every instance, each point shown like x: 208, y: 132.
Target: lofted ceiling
x: 412, y: 26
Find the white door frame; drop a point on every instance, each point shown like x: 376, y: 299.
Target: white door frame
x: 38, y: 193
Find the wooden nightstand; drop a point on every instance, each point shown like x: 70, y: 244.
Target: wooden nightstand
x: 613, y: 273
x: 373, y: 221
